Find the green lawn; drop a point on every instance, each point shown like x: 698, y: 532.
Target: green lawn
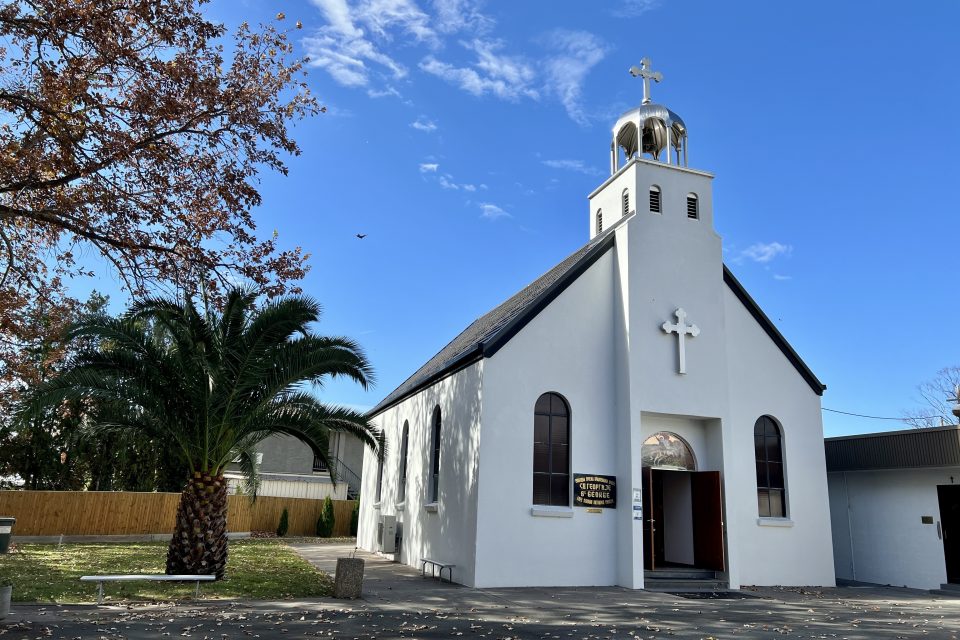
x: 258, y: 569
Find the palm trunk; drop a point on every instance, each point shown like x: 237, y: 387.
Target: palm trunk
x: 199, y: 543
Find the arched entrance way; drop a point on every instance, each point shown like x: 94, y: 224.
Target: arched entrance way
x: 683, y: 522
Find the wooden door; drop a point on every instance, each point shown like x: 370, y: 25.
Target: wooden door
x: 707, y: 520
x: 949, y: 497
x: 649, y: 522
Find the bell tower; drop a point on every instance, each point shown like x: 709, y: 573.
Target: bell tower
x: 649, y: 172
x: 668, y: 304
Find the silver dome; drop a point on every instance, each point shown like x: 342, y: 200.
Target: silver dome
x: 652, y: 120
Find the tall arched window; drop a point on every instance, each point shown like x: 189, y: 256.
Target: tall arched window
x: 402, y: 489
x: 771, y: 489
x: 599, y: 220
x: 435, y: 458
x: 551, y: 451
x: 379, y: 480
x: 654, y: 199
x: 626, y: 201
x: 693, y: 206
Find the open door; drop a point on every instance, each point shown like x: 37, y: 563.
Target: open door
x: 707, y: 520
x: 949, y: 497
x: 649, y: 523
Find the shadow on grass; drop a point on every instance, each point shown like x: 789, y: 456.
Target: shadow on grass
x: 256, y: 569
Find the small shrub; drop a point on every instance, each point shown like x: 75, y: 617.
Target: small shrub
x: 327, y: 520
x: 355, y: 518
x: 284, y: 524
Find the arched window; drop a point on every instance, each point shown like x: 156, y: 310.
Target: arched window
x: 654, y: 199
x: 435, y: 458
x: 626, y: 201
x: 599, y: 220
x: 551, y: 451
x: 402, y: 489
x: 379, y: 480
x: 771, y: 489
x: 693, y: 208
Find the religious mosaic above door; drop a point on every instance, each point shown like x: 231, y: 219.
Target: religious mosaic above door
x: 665, y: 450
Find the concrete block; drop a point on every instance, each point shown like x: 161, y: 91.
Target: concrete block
x: 348, y: 582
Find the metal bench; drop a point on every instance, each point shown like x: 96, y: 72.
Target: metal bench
x: 434, y: 564
x: 149, y: 577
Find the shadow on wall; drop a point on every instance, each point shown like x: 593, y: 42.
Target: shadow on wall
x: 449, y: 534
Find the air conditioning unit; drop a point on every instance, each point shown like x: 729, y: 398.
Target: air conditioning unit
x: 387, y: 534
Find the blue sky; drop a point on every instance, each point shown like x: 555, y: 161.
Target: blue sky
x: 463, y: 137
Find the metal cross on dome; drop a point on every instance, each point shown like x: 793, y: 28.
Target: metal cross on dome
x: 682, y: 329
x: 643, y: 71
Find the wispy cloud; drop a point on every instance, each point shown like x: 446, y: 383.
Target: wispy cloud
x: 447, y: 182
x: 764, y: 252
x: 780, y: 276
x: 453, y: 16
x: 429, y: 167
x: 384, y: 93
x: 350, y: 41
x: 507, y: 77
x: 634, y: 8
x: 359, y: 43
x: 573, y: 165
x: 424, y: 124
x: 575, y: 53
x: 491, y: 211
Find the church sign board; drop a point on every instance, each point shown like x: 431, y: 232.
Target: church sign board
x: 592, y: 490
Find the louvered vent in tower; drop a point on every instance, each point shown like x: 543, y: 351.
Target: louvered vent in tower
x: 654, y: 199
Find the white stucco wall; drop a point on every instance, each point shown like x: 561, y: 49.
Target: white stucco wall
x: 637, y: 176
x: 449, y: 533
x: 877, y: 532
x: 566, y: 349
x: 763, y: 382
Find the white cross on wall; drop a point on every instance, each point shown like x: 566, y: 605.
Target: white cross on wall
x: 682, y: 329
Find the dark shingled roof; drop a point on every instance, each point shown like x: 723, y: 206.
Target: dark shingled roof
x: 487, y: 334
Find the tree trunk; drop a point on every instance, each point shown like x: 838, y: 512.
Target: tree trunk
x: 199, y: 543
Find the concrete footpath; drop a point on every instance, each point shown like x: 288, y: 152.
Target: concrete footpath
x: 398, y: 603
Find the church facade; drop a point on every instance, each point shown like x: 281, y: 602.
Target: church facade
x: 630, y: 412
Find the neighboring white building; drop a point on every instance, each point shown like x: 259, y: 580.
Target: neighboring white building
x: 639, y: 360
x: 895, y: 507
x: 288, y: 469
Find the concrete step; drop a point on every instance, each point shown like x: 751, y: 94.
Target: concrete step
x: 680, y: 574
x: 947, y: 591
x: 665, y: 584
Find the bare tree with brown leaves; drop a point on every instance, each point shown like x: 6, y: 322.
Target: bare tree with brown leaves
x: 128, y: 131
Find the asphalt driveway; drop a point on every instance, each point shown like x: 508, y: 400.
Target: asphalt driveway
x: 398, y: 603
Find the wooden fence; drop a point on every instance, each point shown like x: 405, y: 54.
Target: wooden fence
x: 77, y: 513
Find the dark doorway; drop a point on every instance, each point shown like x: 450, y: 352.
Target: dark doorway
x: 949, y: 496
x: 683, y: 519
x: 707, y: 520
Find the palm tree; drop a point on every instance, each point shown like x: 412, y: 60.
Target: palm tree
x: 212, y: 385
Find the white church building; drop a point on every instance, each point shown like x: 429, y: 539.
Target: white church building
x: 630, y: 415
